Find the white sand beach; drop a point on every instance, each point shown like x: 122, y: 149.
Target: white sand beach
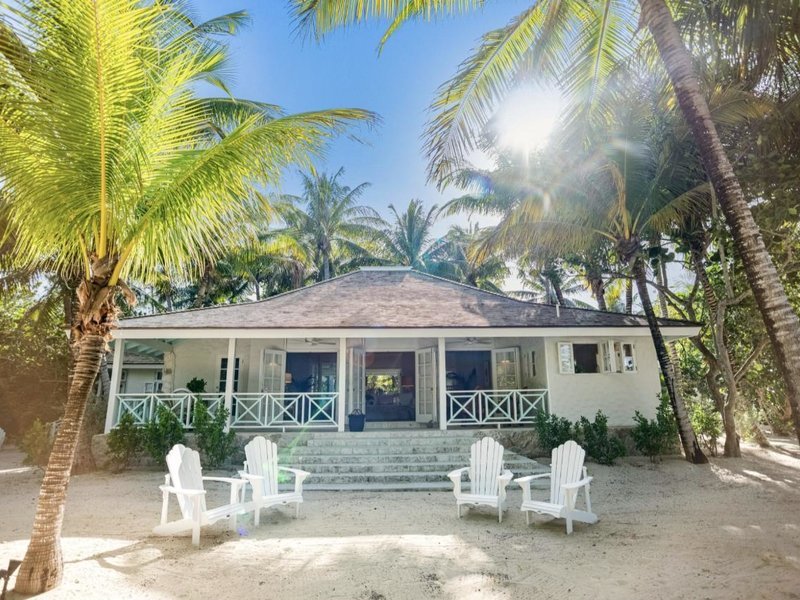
x: 670, y: 530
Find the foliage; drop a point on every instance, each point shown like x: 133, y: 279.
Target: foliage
x: 125, y: 441
x: 552, y: 431
x: 162, y: 433
x: 216, y: 444
x: 196, y: 385
x: 656, y: 437
x: 595, y: 439
x: 33, y: 354
x: 707, y: 423
x: 36, y: 444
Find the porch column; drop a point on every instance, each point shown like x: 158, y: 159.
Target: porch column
x: 113, y: 388
x: 341, y: 383
x: 441, y: 373
x: 230, y: 373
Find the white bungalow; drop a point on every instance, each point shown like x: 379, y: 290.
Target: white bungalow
x: 399, y: 345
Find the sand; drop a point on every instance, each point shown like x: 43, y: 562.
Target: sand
x: 671, y: 530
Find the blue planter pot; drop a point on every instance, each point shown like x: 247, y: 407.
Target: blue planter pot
x: 356, y: 421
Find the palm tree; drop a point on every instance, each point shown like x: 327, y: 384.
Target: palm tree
x: 326, y: 225
x: 459, y: 262
x: 542, y: 40
x: 615, y: 193
x: 111, y: 160
x: 548, y: 282
x: 408, y: 239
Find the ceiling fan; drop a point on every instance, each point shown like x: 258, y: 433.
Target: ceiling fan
x: 319, y: 342
x: 473, y: 341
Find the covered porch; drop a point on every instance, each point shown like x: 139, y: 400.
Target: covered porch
x: 302, y: 383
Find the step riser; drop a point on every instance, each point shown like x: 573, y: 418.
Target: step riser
x: 360, y: 450
x: 397, y: 468
x: 373, y: 459
x: 393, y: 441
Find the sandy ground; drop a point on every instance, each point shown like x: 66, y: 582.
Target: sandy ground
x: 729, y: 530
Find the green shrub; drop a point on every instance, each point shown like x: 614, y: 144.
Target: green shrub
x: 162, y: 433
x: 552, y: 431
x: 196, y: 386
x: 36, y: 444
x: 124, y: 442
x: 214, y: 442
x: 596, y: 441
x: 656, y: 437
x: 707, y: 423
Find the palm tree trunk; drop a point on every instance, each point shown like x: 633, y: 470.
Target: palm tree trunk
x: 691, y: 448
x: 599, y: 292
x: 628, y: 297
x: 781, y: 321
x: 42, y: 566
x: 326, y: 267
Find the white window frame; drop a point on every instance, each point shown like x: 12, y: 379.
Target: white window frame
x: 123, y: 380
x: 561, y: 369
x: 621, y: 366
x: 237, y: 367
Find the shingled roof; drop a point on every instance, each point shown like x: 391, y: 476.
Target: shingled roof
x: 388, y: 297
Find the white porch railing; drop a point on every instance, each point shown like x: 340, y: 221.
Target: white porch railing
x: 284, y: 411
x: 143, y: 405
x: 249, y: 411
x: 494, y: 407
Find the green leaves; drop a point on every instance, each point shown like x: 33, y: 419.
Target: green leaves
x: 106, y: 148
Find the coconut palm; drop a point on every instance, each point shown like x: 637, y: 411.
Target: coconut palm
x: 579, y: 44
x: 326, y: 226
x: 629, y: 182
x: 457, y: 260
x: 111, y: 160
x: 408, y: 238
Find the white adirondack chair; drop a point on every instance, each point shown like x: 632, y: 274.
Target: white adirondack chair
x: 261, y: 471
x: 567, y: 476
x: 185, y: 480
x: 488, y: 479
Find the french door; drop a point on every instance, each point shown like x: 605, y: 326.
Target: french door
x: 505, y: 369
x: 425, y: 365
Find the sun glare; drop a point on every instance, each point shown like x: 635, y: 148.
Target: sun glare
x: 527, y: 117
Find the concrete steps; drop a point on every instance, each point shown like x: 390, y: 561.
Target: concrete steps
x: 409, y: 459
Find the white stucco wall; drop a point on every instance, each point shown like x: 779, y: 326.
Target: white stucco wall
x: 201, y: 359
x: 618, y: 395
x: 137, y: 378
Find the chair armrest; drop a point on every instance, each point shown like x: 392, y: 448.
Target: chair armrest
x: 577, y: 484
x: 299, y: 473
x: 530, y: 478
x: 177, y: 491
x: 231, y: 480
x: 454, y: 475
x: 249, y: 477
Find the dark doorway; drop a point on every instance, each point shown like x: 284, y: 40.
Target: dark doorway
x: 389, y: 386
x: 469, y: 370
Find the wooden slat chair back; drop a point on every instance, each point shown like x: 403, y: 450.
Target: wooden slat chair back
x: 185, y: 473
x: 485, y: 466
x: 185, y: 480
x: 262, y: 459
x: 568, y: 476
x: 487, y: 477
x: 566, y: 466
x: 261, y: 470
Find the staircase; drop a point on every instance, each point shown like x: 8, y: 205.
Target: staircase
x: 387, y: 460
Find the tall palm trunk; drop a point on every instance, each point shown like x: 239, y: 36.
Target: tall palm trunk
x: 43, y: 565
x: 628, y: 296
x: 599, y: 292
x: 781, y: 321
x: 691, y: 448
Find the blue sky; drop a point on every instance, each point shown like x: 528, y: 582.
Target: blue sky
x: 272, y: 63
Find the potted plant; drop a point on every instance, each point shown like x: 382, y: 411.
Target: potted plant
x: 196, y: 386
x: 356, y: 420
